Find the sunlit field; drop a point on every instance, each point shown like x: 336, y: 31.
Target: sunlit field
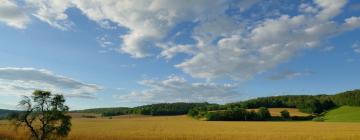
x: 186, y: 128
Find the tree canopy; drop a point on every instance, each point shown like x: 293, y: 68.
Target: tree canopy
x: 44, y: 115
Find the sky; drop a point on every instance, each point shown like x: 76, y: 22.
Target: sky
x: 111, y: 53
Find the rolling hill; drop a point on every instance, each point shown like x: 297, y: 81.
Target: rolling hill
x: 343, y: 114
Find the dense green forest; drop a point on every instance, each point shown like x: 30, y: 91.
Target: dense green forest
x: 153, y: 109
x: 314, y: 104
x: 114, y: 111
x: 167, y: 108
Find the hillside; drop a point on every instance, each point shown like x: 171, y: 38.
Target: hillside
x: 343, y: 114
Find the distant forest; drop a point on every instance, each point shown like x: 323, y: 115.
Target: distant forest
x: 4, y: 113
x: 313, y: 104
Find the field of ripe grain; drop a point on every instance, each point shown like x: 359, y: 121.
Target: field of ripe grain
x: 186, y: 128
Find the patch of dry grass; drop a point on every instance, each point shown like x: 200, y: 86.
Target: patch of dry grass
x: 186, y: 128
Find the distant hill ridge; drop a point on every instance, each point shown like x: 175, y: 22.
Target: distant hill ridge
x: 305, y: 103
x: 5, y: 112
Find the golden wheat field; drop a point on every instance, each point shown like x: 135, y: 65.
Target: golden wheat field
x: 186, y: 128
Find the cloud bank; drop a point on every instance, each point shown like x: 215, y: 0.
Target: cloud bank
x: 23, y: 81
x: 177, y: 89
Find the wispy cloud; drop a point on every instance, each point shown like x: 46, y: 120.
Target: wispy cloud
x: 289, y: 74
x: 356, y: 47
x: 177, y: 89
x: 22, y: 81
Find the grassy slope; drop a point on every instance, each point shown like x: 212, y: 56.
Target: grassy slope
x: 343, y: 114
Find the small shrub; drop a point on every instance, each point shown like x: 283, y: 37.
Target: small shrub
x: 285, y: 114
x: 319, y: 119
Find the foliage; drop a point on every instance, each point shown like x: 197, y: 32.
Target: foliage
x: 314, y: 104
x: 234, y: 114
x: 105, y: 112
x: 263, y: 114
x: 350, y: 98
x: 167, y: 108
x: 285, y: 114
x: 44, y: 115
x: 5, y: 113
x: 88, y: 116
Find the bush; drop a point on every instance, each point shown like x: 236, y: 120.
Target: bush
x: 319, y: 119
x: 263, y: 114
x: 285, y: 114
x: 238, y: 114
x: 215, y: 116
x: 302, y: 118
x: 88, y: 116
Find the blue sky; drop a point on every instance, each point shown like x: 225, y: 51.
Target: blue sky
x: 117, y: 53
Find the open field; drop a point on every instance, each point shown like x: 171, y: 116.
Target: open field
x: 344, y: 114
x: 186, y: 128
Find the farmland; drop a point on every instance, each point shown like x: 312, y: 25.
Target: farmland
x: 137, y: 127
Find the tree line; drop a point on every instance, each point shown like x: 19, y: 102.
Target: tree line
x: 232, y: 114
x: 159, y: 109
x: 313, y: 104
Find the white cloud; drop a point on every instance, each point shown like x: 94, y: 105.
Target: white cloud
x: 351, y: 23
x: 177, y: 89
x: 330, y: 8
x: 245, y: 4
x: 52, y: 12
x: 230, y: 46
x: 170, y: 50
x: 242, y: 55
x: 147, y: 21
x: 104, y: 41
x: 307, y: 8
x: 288, y: 74
x: 23, y: 81
x: 13, y: 15
x: 356, y: 47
